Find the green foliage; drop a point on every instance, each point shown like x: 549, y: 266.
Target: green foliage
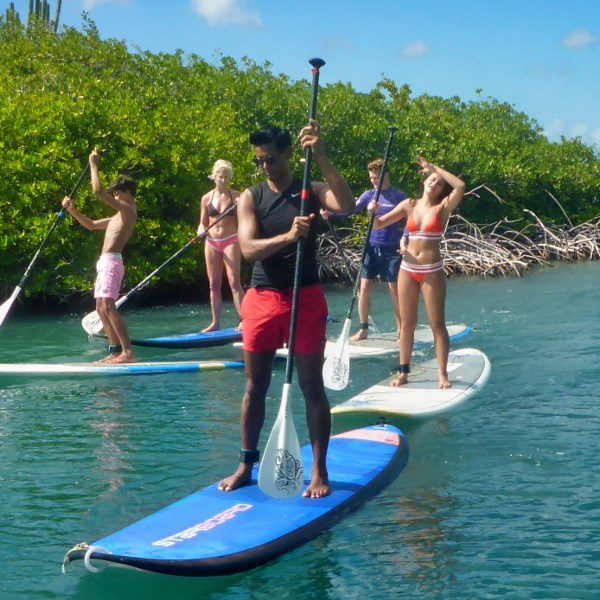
x: 165, y: 118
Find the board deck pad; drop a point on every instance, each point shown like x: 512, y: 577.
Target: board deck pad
x: 385, y: 344
x: 105, y: 370
x: 189, y: 340
x: 468, y: 370
x: 214, y: 533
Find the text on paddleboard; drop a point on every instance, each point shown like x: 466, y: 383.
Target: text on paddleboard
x: 210, y: 523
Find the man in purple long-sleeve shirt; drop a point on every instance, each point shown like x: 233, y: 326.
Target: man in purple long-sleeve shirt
x: 382, y: 258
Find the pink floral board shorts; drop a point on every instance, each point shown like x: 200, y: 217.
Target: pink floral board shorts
x: 110, y: 271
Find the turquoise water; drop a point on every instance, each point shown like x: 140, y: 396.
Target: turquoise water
x: 498, y: 500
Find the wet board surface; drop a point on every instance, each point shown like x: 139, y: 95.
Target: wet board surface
x: 214, y: 533
x: 468, y: 370
x: 189, y: 340
x: 104, y: 370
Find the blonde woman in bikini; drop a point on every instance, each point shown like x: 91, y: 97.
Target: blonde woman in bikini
x: 221, y: 249
x: 422, y: 269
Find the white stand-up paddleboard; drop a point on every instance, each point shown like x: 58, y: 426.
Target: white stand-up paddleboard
x: 468, y: 370
x: 385, y: 344
x: 105, y: 370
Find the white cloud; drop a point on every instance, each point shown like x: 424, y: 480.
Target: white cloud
x: 414, y: 50
x: 579, y: 39
x: 341, y: 45
x: 557, y: 128
x: 220, y: 13
x: 561, y: 71
x: 578, y: 130
x: 554, y: 129
x: 91, y: 4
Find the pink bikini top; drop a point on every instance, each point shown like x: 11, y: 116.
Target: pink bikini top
x: 432, y: 231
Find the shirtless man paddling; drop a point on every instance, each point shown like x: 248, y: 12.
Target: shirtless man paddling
x: 110, y: 270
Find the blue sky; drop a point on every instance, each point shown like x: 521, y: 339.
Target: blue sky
x: 542, y: 56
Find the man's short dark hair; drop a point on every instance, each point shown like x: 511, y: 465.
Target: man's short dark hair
x: 124, y: 183
x: 280, y: 138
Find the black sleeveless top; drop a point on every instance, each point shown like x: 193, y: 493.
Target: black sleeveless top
x: 275, y: 214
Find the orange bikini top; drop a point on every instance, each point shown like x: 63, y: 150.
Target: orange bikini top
x: 432, y: 231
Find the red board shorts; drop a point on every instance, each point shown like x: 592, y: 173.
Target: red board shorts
x: 110, y: 271
x: 266, y: 315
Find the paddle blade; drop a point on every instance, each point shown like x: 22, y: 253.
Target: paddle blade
x: 92, y: 323
x: 8, y: 304
x: 281, y: 474
x: 336, y: 370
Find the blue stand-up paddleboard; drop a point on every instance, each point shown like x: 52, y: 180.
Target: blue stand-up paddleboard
x: 216, y: 533
x: 107, y: 370
x: 189, y: 340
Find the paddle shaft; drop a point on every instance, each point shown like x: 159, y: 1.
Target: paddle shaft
x: 175, y: 256
x: 371, y: 220
x: 52, y: 228
x: 316, y: 63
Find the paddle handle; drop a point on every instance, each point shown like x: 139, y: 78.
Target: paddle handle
x: 316, y: 63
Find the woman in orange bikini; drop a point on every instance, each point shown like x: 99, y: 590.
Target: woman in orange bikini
x: 422, y: 268
x: 221, y: 248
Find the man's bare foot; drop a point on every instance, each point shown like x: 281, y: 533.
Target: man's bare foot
x: 104, y: 360
x: 127, y: 356
x: 318, y: 488
x: 212, y: 327
x: 444, y: 382
x: 361, y: 334
x: 400, y: 379
x: 241, y: 477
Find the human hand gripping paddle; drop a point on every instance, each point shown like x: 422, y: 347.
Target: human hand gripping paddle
x: 336, y: 370
x: 92, y: 322
x: 8, y: 304
x: 281, y: 473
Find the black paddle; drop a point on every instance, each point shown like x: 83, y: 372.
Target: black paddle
x: 8, y: 304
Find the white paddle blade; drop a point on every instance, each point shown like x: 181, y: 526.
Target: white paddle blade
x: 8, y: 304
x: 92, y: 323
x: 281, y: 474
x: 336, y: 370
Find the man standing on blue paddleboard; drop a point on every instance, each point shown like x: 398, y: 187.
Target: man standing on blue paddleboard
x: 269, y: 227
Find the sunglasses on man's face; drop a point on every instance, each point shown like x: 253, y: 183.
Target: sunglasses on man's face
x: 269, y: 160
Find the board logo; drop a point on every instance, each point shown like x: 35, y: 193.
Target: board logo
x: 210, y: 523
x: 340, y: 372
x: 289, y: 473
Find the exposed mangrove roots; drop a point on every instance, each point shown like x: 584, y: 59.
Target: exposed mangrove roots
x: 503, y: 248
